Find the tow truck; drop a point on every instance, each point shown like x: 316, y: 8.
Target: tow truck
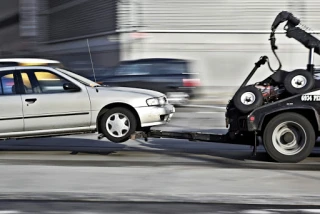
x: 280, y: 112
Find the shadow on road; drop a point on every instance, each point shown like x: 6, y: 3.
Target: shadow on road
x: 62, y: 144
x: 212, y: 154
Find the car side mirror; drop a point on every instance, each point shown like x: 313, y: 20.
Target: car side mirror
x: 71, y: 87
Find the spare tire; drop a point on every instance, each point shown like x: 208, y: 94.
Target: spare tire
x: 299, y: 81
x: 248, y: 98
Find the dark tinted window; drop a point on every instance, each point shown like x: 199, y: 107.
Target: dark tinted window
x: 133, y: 69
x: 170, y: 67
x: 7, y: 83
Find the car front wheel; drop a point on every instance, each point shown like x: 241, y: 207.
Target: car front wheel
x: 118, y: 124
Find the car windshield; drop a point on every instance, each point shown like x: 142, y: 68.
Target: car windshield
x: 79, y: 78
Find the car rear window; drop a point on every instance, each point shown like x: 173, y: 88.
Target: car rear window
x: 170, y: 67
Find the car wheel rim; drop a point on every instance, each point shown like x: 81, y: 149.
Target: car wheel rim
x: 299, y: 81
x: 118, y: 125
x: 289, y: 138
x: 248, y: 98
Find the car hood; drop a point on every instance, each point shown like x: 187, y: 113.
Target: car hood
x: 132, y: 91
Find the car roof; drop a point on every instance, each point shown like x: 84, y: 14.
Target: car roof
x: 25, y: 67
x: 29, y: 60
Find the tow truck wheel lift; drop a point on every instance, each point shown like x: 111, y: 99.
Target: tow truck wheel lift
x: 281, y: 112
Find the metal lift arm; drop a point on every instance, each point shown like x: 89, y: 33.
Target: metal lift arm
x: 294, y: 30
x: 196, y: 136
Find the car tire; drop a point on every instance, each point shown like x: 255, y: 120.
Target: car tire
x: 118, y: 124
x: 299, y: 81
x: 281, y: 134
x: 248, y: 98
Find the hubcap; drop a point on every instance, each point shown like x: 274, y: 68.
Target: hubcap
x: 289, y: 138
x: 299, y: 81
x: 248, y: 98
x: 118, y: 125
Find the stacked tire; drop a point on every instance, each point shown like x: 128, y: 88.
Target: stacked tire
x: 299, y: 82
x: 296, y: 82
x: 248, y: 98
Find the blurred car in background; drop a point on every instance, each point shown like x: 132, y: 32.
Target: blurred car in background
x: 172, y: 77
x: 30, y: 62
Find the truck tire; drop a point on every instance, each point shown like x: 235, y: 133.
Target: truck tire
x: 248, y: 98
x: 117, y: 124
x: 299, y: 81
x: 289, y: 138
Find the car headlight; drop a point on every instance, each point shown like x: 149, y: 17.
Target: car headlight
x: 153, y: 102
x: 159, y: 101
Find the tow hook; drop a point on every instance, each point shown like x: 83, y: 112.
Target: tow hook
x: 101, y: 136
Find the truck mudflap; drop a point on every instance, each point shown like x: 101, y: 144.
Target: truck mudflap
x: 230, y: 138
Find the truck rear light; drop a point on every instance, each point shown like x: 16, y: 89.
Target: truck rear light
x: 191, y: 82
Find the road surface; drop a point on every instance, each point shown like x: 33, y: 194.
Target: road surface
x: 45, y: 207
x: 206, y: 177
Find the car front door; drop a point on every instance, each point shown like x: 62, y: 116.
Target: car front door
x: 11, y: 116
x: 48, y: 106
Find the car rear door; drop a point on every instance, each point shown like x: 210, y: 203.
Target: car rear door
x: 169, y: 75
x: 48, y: 106
x: 11, y: 115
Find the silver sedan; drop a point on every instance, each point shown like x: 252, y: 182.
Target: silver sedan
x: 44, y: 101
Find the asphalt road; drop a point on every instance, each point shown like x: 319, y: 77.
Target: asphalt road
x: 202, y: 177
x: 45, y: 207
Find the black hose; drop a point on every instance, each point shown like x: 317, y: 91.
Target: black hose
x: 273, y: 48
x: 269, y: 65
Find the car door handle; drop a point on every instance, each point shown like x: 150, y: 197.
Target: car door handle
x: 31, y: 100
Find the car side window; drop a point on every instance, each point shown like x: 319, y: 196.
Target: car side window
x: 29, y: 89
x: 7, y: 83
x: 133, y: 69
x: 43, y: 82
x: 164, y: 68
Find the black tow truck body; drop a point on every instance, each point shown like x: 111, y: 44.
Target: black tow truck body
x: 247, y: 128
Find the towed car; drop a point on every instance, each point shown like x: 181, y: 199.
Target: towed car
x: 47, y: 101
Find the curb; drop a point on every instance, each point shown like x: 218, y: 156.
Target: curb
x: 276, y: 199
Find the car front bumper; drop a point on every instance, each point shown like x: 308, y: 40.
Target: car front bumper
x: 155, y: 115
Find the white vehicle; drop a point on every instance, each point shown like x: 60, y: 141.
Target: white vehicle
x: 8, y: 62
x: 47, y: 101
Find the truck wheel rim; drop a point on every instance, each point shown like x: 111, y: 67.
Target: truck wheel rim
x: 248, y: 98
x: 118, y: 125
x: 294, y: 146
x: 299, y: 81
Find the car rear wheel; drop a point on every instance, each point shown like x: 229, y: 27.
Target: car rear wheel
x: 118, y: 124
x: 289, y: 138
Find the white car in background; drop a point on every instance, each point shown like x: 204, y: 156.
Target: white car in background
x: 47, y: 101
x: 30, y: 62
